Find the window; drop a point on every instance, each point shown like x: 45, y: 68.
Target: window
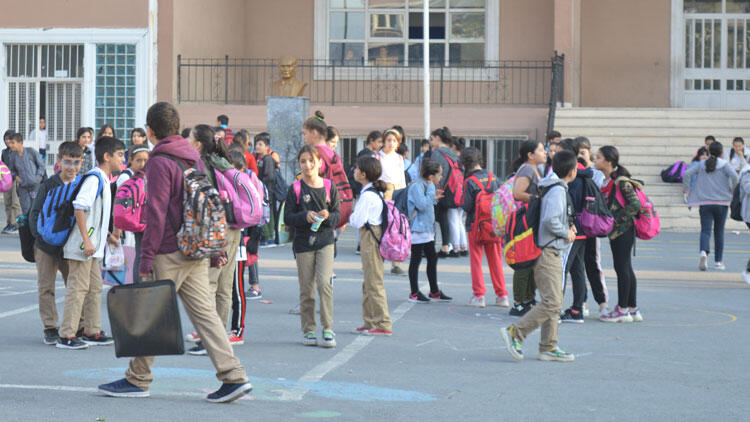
x: 115, y: 87
x: 389, y: 32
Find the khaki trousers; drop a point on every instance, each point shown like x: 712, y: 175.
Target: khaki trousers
x: 83, y: 294
x: 220, y: 279
x: 547, y: 273
x: 374, y: 301
x: 12, y: 204
x: 46, y: 272
x: 191, y: 281
x: 315, y: 268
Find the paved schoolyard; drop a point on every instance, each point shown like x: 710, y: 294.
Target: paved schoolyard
x: 686, y: 361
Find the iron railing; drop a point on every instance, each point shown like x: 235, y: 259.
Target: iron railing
x: 249, y: 81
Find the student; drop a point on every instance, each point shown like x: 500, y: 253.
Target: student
x: 215, y: 157
x: 332, y: 138
x: 416, y: 165
x: 106, y: 130
x: 457, y: 216
x: 138, y: 137
x: 367, y: 217
x: 84, y: 136
x: 556, y: 232
x: 738, y: 155
x: 222, y: 121
x: 12, y: 205
x: 421, y: 200
x: 85, y: 248
x: 267, y: 167
x: 744, y: 181
x: 715, y: 180
x: 48, y: 258
x: 162, y: 256
x: 622, y: 238
x: 138, y: 154
x: 27, y: 168
x: 700, y: 155
x: 373, y: 144
x: 403, y: 151
x: 242, y: 140
x: 393, y: 175
x: 471, y: 161
x: 441, y: 142
x: 314, y: 217
x: 525, y: 188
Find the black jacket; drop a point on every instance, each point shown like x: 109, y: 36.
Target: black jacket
x: 295, y: 216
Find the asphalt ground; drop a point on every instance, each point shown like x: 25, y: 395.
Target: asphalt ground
x: 445, y: 361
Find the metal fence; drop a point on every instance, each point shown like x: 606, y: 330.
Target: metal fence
x: 249, y: 81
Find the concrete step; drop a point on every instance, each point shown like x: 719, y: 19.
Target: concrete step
x: 740, y: 124
x: 649, y: 113
x: 697, y: 133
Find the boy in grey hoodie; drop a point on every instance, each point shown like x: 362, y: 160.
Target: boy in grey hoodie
x: 556, y: 232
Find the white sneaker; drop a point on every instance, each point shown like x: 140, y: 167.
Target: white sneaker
x: 477, y: 301
x: 703, y: 261
x: 502, y: 301
x: 193, y: 337
x: 636, y: 315
x: 746, y: 276
x: 585, y: 310
x: 720, y: 266
x: 603, y: 310
x: 295, y: 310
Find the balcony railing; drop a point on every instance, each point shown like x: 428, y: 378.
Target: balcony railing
x: 249, y: 81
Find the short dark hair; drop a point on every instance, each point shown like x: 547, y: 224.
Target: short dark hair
x: 570, y: 145
x: 8, y: 133
x: 424, y: 142
x: 470, y: 158
x: 709, y: 138
x: 553, y: 134
x: 107, y: 145
x: 583, y: 143
x: 402, y: 149
x: 238, y: 158
x: 564, y: 162
x: 71, y: 149
x: 17, y: 137
x: 163, y: 119
x: 264, y: 137
x: 429, y: 167
x: 223, y: 119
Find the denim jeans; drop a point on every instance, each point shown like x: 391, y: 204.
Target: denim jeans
x: 715, y: 215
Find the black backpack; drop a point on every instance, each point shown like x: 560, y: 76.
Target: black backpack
x: 735, y: 207
x: 674, y: 173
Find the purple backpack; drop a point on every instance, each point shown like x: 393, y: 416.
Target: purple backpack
x: 243, y: 201
x: 395, y: 243
x: 595, y: 218
x: 674, y: 173
x: 6, y: 179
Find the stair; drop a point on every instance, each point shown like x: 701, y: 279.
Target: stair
x: 649, y: 140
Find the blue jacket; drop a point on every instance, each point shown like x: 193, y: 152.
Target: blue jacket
x: 420, y: 202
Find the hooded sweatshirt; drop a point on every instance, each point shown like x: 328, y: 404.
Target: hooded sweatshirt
x: 439, y: 156
x: 214, y: 162
x: 713, y: 188
x: 556, y: 214
x: 165, y: 191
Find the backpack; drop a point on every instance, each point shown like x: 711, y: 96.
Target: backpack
x: 596, y: 219
x: 401, y: 200
x: 260, y: 187
x: 6, y: 179
x: 735, y: 207
x: 297, y: 186
x: 243, y: 206
x: 521, y: 250
x: 503, y: 205
x: 129, y: 201
x: 395, y: 242
x: 334, y: 171
x: 647, y: 223
x: 674, y: 173
x: 202, y: 233
x: 483, y: 221
x: 56, y: 217
x: 454, y: 185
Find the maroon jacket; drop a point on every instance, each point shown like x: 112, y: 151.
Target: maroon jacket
x: 165, y: 191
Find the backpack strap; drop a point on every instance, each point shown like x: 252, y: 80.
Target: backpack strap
x: 297, y: 186
x: 327, y: 185
x: 476, y: 180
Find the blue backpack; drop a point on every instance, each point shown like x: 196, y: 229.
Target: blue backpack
x: 56, y: 217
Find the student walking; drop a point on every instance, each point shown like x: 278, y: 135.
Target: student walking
x: 162, y: 256
x: 441, y: 142
x: 622, y: 238
x: 480, y: 180
x: 27, y: 168
x: 421, y: 199
x: 367, y: 217
x: 525, y: 189
x: 712, y: 192
x: 556, y: 232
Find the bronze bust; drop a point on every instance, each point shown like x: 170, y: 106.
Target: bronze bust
x: 288, y: 86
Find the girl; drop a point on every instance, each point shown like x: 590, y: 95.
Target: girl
x: 138, y: 154
x: 367, y: 217
x: 393, y: 174
x: 332, y: 137
x: 622, y: 238
x: 138, y: 137
x: 712, y: 192
x: 699, y: 156
x: 525, y: 188
x: 441, y: 142
x: 738, y: 155
x: 266, y: 173
x: 84, y: 136
x: 106, y: 130
x: 421, y: 200
x: 470, y: 159
x: 457, y: 216
x: 314, y: 215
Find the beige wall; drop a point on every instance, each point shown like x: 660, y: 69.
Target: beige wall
x: 526, y: 29
x: 74, y: 14
x: 625, y: 53
x: 280, y: 27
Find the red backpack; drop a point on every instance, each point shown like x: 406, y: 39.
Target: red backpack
x: 454, y: 185
x: 483, y: 211
x: 334, y: 170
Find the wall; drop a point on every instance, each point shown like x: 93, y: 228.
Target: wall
x: 279, y: 28
x: 74, y: 14
x: 526, y: 29
x: 625, y: 53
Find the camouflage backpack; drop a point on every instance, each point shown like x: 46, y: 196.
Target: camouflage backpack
x: 204, y: 226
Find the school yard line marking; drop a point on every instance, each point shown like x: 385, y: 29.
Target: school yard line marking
x: 321, y: 370
x: 25, y: 309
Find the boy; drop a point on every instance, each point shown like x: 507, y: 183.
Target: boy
x: 27, y: 168
x: 556, y: 232
x: 48, y: 258
x: 84, y: 249
x: 12, y: 206
x: 161, y: 256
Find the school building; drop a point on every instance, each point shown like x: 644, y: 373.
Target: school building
x: 499, y: 68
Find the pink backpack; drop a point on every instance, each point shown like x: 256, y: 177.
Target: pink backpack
x: 6, y: 179
x: 129, y: 201
x: 647, y: 223
x: 243, y: 201
x: 395, y: 243
x: 297, y: 186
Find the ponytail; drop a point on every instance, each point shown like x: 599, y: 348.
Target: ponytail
x: 379, y: 185
x: 715, y: 150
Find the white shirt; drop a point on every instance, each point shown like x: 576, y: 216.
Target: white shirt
x: 368, y: 209
x: 393, y: 169
x: 98, y: 210
x: 40, y: 136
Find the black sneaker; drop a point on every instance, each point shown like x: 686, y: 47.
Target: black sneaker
x: 442, y: 254
x: 571, y: 315
x: 122, y: 388
x: 73, y: 343
x: 79, y: 333
x: 229, y: 392
x: 453, y: 254
x: 50, y: 336
x: 99, y: 339
x: 464, y: 253
x: 418, y: 297
x: 11, y: 229
x: 517, y: 309
x: 253, y: 294
x: 198, y: 350
x: 440, y: 296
